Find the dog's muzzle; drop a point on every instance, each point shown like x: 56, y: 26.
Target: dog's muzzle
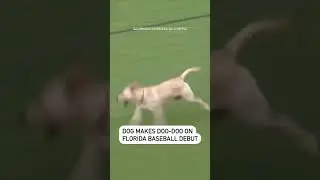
x: 125, y: 102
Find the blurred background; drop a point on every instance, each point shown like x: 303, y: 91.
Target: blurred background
x: 39, y: 39
x: 286, y: 67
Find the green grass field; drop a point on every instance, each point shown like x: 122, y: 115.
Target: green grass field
x: 150, y: 57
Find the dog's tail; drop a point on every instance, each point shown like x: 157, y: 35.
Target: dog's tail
x: 187, y: 71
x: 239, y: 40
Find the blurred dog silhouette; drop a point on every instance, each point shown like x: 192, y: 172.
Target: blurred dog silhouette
x: 234, y: 89
x: 75, y: 99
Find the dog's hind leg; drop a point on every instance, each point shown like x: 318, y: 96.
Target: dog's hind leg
x: 137, y: 116
x: 201, y: 102
x: 188, y: 95
x: 262, y: 116
x: 304, y: 139
x: 248, y: 104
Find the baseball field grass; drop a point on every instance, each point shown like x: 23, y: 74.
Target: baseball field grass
x: 150, y: 57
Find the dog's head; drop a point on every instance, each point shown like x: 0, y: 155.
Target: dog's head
x: 128, y: 93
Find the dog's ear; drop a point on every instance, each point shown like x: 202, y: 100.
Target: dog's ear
x: 134, y: 85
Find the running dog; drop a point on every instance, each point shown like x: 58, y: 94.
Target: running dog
x: 234, y: 89
x: 153, y: 98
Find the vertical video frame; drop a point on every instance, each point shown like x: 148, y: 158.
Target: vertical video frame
x: 160, y: 90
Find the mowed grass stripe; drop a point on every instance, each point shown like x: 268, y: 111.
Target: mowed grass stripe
x: 161, y: 24
x: 129, y: 13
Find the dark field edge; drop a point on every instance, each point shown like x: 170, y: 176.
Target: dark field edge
x: 108, y: 165
x: 162, y: 23
x: 210, y: 49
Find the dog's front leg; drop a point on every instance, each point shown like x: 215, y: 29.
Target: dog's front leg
x: 158, y: 116
x: 137, y: 116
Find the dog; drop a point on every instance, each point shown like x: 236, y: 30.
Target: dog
x: 153, y: 98
x: 75, y: 99
x: 64, y: 103
x: 234, y: 89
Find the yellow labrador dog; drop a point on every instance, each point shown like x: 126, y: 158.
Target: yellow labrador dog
x: 235, y: 89
x: 153, y: 98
